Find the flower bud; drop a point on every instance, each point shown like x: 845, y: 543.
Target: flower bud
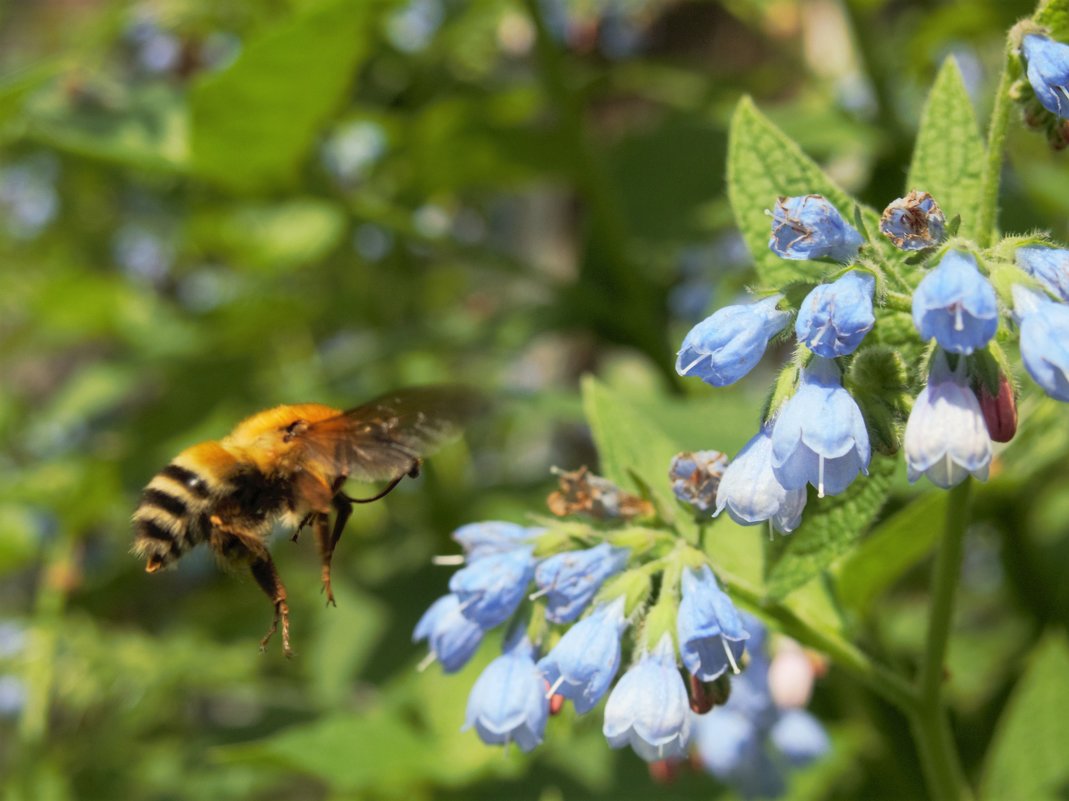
x: 1049, y: 266
x: 729, y: 343
x: 956, y: 305
x: 913, y: 222
x: 835, y: 317
x: 809, y: 227
x: 1000, y: 410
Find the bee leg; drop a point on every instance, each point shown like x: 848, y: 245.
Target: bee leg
x: 266, y: 575
x: 326, y: 551
x: 300, y: 526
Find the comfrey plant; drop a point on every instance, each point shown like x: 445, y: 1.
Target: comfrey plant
x: 905, y: 338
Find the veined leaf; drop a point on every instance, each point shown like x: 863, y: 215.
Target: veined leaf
x: 1054, y: 15
x: 949, y: 155
x: 829, y: 527
x: 763, y: 163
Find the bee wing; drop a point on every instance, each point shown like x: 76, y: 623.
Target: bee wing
x: 384, y: 438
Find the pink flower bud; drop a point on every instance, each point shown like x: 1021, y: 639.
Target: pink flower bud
x: 1000, y: 411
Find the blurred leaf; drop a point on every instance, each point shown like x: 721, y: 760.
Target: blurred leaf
x: 16, y: 86
x: 764, y: 164
x: 629, y: 443
x: 667, y: 174
x: 949, y: 154
x: 345, y: 640
x: 288, y: 234
x: 893, y: 547
x: 253, y: 122
x: 829, y: 528
x: 353, y: 752
x: 1027, y: 756
x: 18, y: 536
x: 146, y: 127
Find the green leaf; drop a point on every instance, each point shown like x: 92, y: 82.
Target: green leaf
x: 763, y: 163
x: 949, y: 155
x: 280, y: 235
x: 350, y: 751
x: 830, y: 526
x: 16, y: 86
x: 629, y: 444
x: 893, y: 547
x: 147, y: 127
x: 1054, y: 15
x: 1027, y: 756
x: 253, y: 123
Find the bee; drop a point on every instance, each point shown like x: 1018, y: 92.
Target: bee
x: 288, y: 465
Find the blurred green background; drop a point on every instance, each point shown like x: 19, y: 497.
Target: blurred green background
x: 211, y: 206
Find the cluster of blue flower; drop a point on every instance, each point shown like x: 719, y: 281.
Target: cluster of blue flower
x: 650, y: 707
x: 818, y: 436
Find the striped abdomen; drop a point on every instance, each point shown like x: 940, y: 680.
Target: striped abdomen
x: 172, y: 516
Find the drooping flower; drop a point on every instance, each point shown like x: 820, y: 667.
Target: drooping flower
x: 835, y: 317
x: 1044, y: 340
x: 1048, y: 72
x: 451, y: 637
x: 696, y: 476
x: 809, y: 227
x: 946, y: 437
x: 711, y: 634
x: 583, y: 664
x: 508, y: 701
x: 648, y: 708
x: 913, y: 222
x: 820, y: 437
x: 752, y: 494
x: 1050, y: 266
x: 956, y: 305
x: 491, y: 536
x: 730, y: 342
x: 492, y: 587
x: 570, y: 579
x: 749, y: 743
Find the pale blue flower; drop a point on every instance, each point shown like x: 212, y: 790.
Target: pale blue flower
x: 1048, y: 72
x: 583, y: 664
x: 729, y: 343
x: 809, y: 227
x: 956, y: 305
x: 492, y: 587
x: 508, y: 701
x: 451, y: 637
x: 648, y: 708
x: 1044, y: 340
x: 492, y: 536
x: 913, y: 222
x: 835, y: 317
x: 799, y: 737
x: 569, y: 580
x: 820, y: 437
x: 946, y: 437
x: 751, y: 493
x: 711, y: 634
x: 1050, y: 266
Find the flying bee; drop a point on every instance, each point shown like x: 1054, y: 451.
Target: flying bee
x: 289, y: 465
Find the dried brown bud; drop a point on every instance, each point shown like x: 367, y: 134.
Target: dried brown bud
x: 583, y: 492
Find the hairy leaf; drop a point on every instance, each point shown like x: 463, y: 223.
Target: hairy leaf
x: 949, y: 154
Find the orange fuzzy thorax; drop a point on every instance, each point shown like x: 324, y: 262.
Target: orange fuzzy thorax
x: 261, y: 439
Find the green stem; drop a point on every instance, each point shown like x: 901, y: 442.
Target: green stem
x: 942, y: 768
x: 996, y: 140
x: 880, y: 679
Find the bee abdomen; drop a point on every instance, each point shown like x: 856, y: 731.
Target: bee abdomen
x: 165, y: 520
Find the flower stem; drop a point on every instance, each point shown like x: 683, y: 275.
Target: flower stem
x: 996, y: 140
x: 931, y: 729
